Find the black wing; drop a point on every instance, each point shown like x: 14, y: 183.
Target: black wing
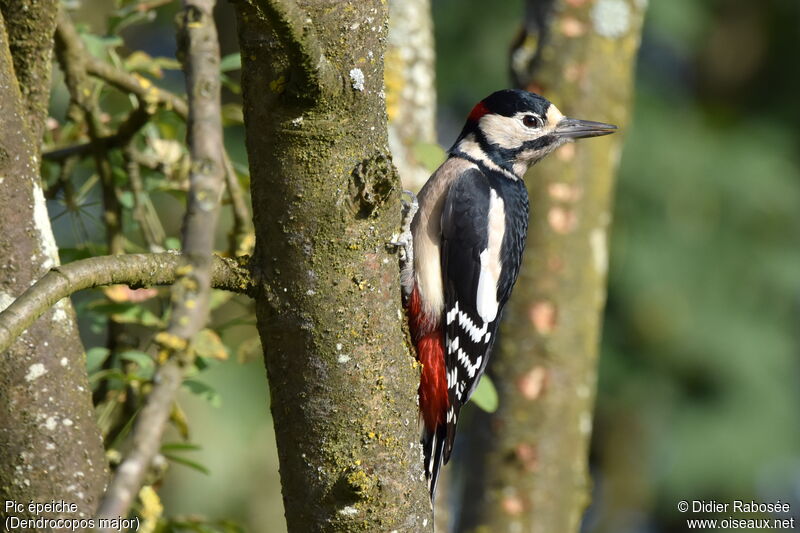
x: 469, y: 328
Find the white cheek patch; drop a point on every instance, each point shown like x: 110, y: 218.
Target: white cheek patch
x: 491, y: 265
x: 505, y: 132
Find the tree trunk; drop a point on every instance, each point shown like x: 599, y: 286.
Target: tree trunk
x: 411, y: 89
x: 534, y: 476
x: 325, y: 197
x: 50, y: 447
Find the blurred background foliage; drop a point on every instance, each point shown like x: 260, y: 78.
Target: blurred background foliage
x: 698, y: 395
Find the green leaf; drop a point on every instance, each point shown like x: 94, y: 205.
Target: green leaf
x: 187, y: 462
x: 232, y: 114
x: 126, y: 199
x: 207, y: 344
x: 485, y: 396
x: 110, y: 374
x: 95, y: 357
x: 144, y: 361
x: 230, y: 62
x: 230, y: 84
x: 180, y: 446
x: 172, y: 243
x: 98, y: 46
x: 127, y: 17
x: 204, y: 390
x: 128, y: 313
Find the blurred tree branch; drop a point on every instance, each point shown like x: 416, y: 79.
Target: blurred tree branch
x: 77, y: 63
x: 72, y: 54
x: 129, y: 127
x: 199, y: 49
x: 581, y: 56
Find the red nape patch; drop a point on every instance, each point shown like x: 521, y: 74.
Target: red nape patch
x: 477, y: 112
x: 433, y: 401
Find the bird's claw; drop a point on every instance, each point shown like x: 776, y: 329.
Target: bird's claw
x: 403, y: 240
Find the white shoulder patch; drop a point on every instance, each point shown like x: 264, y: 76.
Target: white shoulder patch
x: 491, y: 265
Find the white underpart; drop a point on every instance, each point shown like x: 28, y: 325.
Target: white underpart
x: 471, y: 147
x: 427, y: 231
x: 491, y: 265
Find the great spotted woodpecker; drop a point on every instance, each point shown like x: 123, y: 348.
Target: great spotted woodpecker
x: 467, y: 238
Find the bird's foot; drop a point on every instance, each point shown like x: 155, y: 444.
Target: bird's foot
x: 404, y: 240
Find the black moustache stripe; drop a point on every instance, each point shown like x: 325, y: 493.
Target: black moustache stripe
x: 505, y: 157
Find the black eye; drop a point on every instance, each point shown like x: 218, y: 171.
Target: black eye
x: 532, y: 121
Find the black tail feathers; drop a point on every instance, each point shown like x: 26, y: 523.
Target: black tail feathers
x: 433, y: 444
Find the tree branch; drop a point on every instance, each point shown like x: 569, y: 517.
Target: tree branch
x: 242, y: 236
x: 134, y: 270
x: 137, y: 85
x: 126, y: 130
x: 199, y: 48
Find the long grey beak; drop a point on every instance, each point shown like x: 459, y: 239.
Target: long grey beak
x: 573, y: 128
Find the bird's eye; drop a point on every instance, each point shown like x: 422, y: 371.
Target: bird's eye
x: 532, y: 121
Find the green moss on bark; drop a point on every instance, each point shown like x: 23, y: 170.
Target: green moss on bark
x: 30, y: 25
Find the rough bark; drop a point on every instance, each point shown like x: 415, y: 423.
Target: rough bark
x: 30, y: 25
x: 410, y: 87
x: 325, y: 197
x: 50, y: 447
x: 535, y: 476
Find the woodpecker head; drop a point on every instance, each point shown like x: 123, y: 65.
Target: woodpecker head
x: 513, y: 129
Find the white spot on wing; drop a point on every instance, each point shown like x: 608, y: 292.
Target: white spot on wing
x: 451, y: 314
x: 453, y: 346
x: 474, y: 332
